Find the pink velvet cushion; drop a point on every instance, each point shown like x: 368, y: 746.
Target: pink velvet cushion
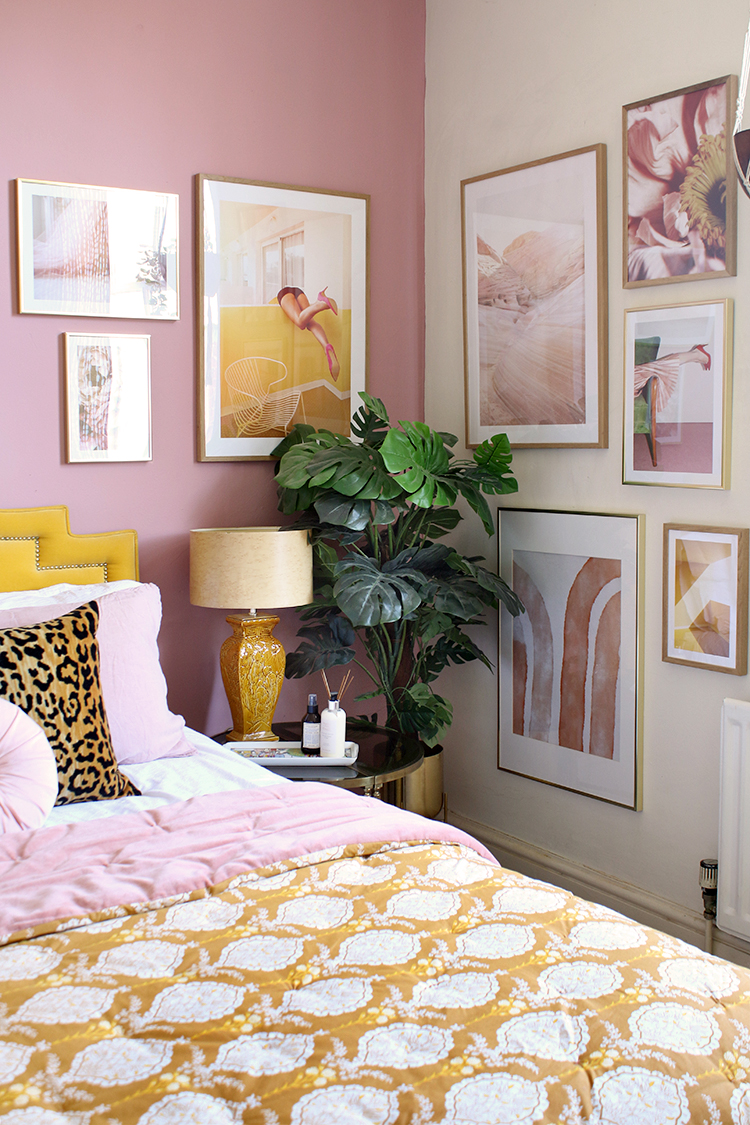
x: 132, y: 682
x: 28, y: 771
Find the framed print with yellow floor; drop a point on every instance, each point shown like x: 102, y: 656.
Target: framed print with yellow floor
x: 704, y: 606
x: 282, y: 322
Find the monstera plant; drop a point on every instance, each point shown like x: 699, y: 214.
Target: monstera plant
x: 376, y: 508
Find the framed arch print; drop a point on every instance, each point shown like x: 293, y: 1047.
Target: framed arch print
x: 570, y: 666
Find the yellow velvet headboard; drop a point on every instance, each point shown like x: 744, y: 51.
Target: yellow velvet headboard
x: 37, y: 549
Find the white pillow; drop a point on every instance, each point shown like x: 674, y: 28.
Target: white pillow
x: 64, y: 593
x: 133, y: 685
x: 28, y: 771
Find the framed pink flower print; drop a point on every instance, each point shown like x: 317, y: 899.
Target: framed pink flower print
x: 679, y: 186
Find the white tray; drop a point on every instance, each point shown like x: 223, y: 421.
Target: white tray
x: 290, y: 754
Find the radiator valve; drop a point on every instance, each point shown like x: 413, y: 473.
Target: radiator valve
x: 709, y: 881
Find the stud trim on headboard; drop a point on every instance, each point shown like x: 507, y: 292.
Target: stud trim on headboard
x: 54, y: 566
x: 57, y: 555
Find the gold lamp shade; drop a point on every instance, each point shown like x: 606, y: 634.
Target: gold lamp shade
x: 239, y: 568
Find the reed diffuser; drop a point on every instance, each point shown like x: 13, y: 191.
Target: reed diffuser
x: 333, y: 720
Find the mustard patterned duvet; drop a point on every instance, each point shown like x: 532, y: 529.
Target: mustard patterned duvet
x: 369, y: 983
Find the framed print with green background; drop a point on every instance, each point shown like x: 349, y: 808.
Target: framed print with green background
x: 678, y: 394
x: 97, y: 251
x: 535, y: 301
x: 282, y: 320
x: 704, y: 604
x: 570, y: 665
x: 679, y: 185
x: 108, y: 393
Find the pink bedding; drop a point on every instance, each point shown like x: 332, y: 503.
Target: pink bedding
x: 342, y: 979
x: 75, y: 869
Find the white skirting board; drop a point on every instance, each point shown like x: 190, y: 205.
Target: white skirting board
x: 733, y: 913
x: 597, y: 886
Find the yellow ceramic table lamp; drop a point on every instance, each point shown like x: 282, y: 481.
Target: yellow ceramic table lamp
x: 233, y: 567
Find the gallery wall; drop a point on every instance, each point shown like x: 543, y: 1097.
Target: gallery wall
x: 509, y: 83
x: 145, y: 95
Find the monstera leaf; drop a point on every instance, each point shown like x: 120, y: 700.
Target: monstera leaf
x: 453, y: 647
x: 420, y: 711
x: 440, y: 522
x: 298, y: 434
x: 353, y: 470
x: 493, y: 457
x: 335, y: 509
x: 417, y: 456
x: 370, y: 423
x: 293, y: 470
x: 323, y: 646
x: 470, y: 491
x: 492, y: 583
x: 371, y: 596
x: 293, y: 500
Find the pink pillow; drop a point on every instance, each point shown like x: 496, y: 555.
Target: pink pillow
x: 133, y: 684
x: 28, y: 771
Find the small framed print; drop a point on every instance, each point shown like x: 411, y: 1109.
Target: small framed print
x: 282, y: 313
x: 569, y: 669
x: 108, y: 393
x: 680, y: 186
x: 678, y: 393
x: 97, y: 251
x: 535, y: 301
x: 704, y: 604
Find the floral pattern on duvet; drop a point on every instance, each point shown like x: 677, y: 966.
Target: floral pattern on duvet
x: 376, y: 985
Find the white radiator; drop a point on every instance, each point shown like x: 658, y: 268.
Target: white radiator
x: 733, y: 913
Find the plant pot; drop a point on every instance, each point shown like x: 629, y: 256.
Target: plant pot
x: 423, y: 789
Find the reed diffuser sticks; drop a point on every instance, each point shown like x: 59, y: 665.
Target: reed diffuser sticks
x: 347, y: 679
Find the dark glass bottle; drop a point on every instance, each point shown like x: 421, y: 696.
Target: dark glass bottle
x: 311, y: 727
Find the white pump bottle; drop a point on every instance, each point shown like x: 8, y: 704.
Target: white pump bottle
x: 332, y: 729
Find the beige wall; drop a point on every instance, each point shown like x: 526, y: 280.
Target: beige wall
x: 509, y: 81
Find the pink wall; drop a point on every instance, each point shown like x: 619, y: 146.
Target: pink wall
x: 328, y: 94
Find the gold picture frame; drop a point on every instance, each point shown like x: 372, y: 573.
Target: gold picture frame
x: 570, y: 667
x: 679, y: 185
x: 678, y: 395
x: 97, y: 251
x: 108, y: 397
x: 535, y: 301
x: 705, y: 597
x: 282, y: 303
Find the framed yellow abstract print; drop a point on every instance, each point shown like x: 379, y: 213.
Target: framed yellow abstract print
x: 704, y: 606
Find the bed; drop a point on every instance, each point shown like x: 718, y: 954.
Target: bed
x: 225, y: 947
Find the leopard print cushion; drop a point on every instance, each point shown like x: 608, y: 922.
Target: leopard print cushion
x: 51, y: 671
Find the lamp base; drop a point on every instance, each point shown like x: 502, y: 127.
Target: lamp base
x: 252, y: 668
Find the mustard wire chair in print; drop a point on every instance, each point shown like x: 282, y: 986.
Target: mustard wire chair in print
x: 255, y: 406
